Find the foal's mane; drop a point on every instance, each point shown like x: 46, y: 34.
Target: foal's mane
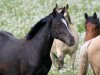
x: 35, y: 29
x: 68, y: 16
x: 94, y: 21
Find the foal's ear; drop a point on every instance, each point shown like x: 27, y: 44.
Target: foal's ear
x: 63, y: 10
x: 67, y: 6
x: 95, y: 15
x: 54, y: 12
x: 56, y: 6
x: 86, y: 15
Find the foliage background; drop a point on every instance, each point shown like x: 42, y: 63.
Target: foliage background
x: 18, y: 16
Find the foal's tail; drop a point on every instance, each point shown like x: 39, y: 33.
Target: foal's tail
x: 83, y: 63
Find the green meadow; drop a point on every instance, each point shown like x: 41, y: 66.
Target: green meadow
x: 18, y: 16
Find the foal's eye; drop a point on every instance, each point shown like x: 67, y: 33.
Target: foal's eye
x: 57, y: 25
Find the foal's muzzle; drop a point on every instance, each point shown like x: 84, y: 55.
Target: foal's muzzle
x: 72, y: 42
x: 69, y: 41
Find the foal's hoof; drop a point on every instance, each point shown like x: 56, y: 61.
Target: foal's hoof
x: 60, y: 64
x: 59, y: 67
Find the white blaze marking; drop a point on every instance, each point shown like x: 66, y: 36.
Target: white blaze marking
x: 66, y: 25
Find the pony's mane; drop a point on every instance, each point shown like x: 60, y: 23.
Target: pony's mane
x: 35, y: 29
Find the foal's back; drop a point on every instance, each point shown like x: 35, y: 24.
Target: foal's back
x: 4, y: 37
x: 94, y: 54
x: 94, y: 48
x: 9, y: 46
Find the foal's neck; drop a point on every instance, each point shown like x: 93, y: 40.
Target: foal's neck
x: 43, y: 40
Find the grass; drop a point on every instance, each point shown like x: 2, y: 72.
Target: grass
x: 18, y: 16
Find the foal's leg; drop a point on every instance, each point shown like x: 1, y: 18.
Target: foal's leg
x: 45, y: 69
x: 73, y: 56
x: 94, y: 62
x: 54, y: 58
x: 95, y: 70
x: 60, y: 56
x: 31, y: 70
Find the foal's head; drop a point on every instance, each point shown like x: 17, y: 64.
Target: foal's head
x: 60, y: 28
x: 64, y: 11
x: 92, y: 26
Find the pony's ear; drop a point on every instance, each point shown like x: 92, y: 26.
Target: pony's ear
x: 86, y: 15
x: 63, y: 10
x: 95, y: 15
x: 67, y: 6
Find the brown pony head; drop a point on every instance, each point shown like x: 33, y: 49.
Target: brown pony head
x: 92, y: 26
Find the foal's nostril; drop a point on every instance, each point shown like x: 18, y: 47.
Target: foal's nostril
x: 71, y: 40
